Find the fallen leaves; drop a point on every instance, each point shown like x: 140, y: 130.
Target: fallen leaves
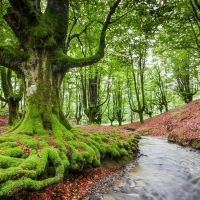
x: 184, y: 123
x: 72, y: 188
x: 26, y: 149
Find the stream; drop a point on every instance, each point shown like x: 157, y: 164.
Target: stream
x: 162, y: 171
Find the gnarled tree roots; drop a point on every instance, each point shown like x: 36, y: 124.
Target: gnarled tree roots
x: 33, y: 161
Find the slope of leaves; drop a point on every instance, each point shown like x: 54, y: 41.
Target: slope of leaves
x: 181, y: 125
x: 113, y: 129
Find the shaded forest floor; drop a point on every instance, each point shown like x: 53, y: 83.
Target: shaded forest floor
x: 181, y: 125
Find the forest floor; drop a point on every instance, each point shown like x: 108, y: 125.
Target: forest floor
x: 181, y: 125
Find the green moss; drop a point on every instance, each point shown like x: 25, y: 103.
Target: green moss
x: 31, y: 143
x: 7, y: 161
x: 51, y: 171
x: 50, y: 156
x: 195, y: 143
x: 13, y: 152
x: 8, y: 144
x: 41, y: 31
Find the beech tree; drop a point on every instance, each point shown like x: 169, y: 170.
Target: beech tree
x: 41, y: 149
x: 11, y: 96
x: 186, y: 75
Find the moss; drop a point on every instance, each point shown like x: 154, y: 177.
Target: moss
x: 195, y: 143
x: 13, y: 152
x: 7, y: 161
x: 55, y: 159
x: 31, y: 143
x: 8, y: 144
x: 51, y: 171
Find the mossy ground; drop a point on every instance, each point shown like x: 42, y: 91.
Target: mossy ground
x: 32, y: 161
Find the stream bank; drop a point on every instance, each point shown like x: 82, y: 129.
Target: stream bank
x: 162, y: 171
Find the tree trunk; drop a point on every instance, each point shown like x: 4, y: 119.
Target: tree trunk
x: 13, y: 107
x: 42, y: 95
x: 120, y: 122
x: 141, y: 117
x: 111, y: 122
x: 10, y: 96
x: 91, y: 114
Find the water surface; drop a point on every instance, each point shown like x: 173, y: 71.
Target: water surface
x: 163, y: 171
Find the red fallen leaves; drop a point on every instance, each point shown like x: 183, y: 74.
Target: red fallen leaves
x: 26, y: 150
x: 80, y: 149
x: 71, y: 188
x: 3, y: 122
x: 183, y: 122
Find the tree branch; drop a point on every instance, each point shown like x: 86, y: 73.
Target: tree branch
x: 75, y: 36
x: 12, y: 58
x: 21, y: 17
x: 118, y: 18
x: 68, y: 62
x: 4, y: 82
x: 58, y: 26
x: 194, y: 33
x: 197, y: 4
x: 194, y: 11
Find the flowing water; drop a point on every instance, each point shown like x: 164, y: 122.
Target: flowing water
x: 162, y: 171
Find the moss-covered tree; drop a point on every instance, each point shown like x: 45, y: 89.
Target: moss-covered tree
x: 94, y: 97
x: 11, y: 96
x: 41, y: 149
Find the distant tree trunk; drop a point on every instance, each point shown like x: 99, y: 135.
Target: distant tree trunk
x: 10, y: 96
x: 13, y: 108
x: 92, y: 102
x: 138, y: 84
x: 78, y: 114
x: 141, y: 117
x: 111, y: 112
x: 162, y: 90
x: 132, y: 116
x: 119, y: 104
x: 186, y: 90
x: 90, y: 96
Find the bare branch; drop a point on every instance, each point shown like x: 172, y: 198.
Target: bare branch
x: 194, y: 11
x: 194, y: 33
x: 197, y: 4
x: 75, y: 21
x: 118, y: 18
x: 77, y: 35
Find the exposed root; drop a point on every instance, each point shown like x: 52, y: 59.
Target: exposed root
x: 31, y: 161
